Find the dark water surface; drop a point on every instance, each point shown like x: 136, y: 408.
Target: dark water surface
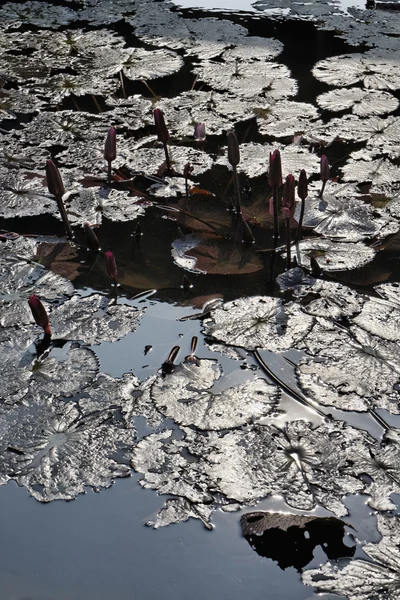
x: 98, y: 546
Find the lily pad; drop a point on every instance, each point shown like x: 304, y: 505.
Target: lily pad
x: 187, y: 396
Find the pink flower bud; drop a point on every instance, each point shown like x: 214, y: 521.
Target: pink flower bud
x: 288, y: 200
x: 275, y: 169
x: 111, y: 266
x: 110, y: 147
x: 39, y: 313
x: 200, y: 132
x: 302, y: 187
x: 161, y: 128
x: 92, y: 240
x: 233, y: 149
x: 54, y: 181
x: 324, y: 168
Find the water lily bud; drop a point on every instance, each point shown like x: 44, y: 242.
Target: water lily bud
x: 200, y: 132
x: 161, y: 128
x: 110, y: 147
x: 302, y: 187
x: 233, y: 149
x: 92, y: 240
x: 275, y: 169
x: 324, y: 168
x: 54, y: 181
x: 111, y: 266
x: 39, y: 313
x: 288, y: 200
x: 187, y: 170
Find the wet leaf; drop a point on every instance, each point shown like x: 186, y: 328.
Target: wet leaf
x: 179, y: 510
x: 361, y: 579
x: 215, y: 256
x: 333, y: 256
x: 187, y: 396
x: 204, y: 214
x: 91, y: 204
x: 259, y: 321
x: 55, y: 452
x: 91, y: 320
x: 59, y: 257
x: 287, y: 119
x: 22, y: 194
x: 41, y: 14
x: 362, y: 102
x: 374, y: 69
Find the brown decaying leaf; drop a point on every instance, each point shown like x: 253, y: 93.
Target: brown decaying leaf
x: 217, y: 256
x: 59, y: 257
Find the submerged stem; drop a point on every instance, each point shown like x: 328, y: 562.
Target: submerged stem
x: 167, y: 160
x: 64, y: 217
x: 300, y: 225
x: 288, y: 243
x: 276, y: 222
x: 236, y: 190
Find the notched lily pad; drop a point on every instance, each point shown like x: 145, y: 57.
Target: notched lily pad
x: 187, y: 396
x: 333, y: 256
x: 257, y: 322
x: 55, y: 452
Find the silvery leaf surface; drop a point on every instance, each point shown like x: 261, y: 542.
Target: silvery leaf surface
x: 300, y: 463
x: 22, y: 194
x: 91, y: 204
x: 248, y: 78
x: 329, y: 299
x: 363, y: 103
x: 259, y: 322
x: 377, y: 132
x: 206, y: 37
x: 383, y: 175
x: 254, y: 48
x: 41, y: 14
x: 101, y: 12
x: 384, y: 21
x: 18, y: 280
x: 187, y: 396
x: 13, y: 154
x: 55, y: 452
x: 333, y: 256
x: 55, y: 89
x: 295, y: 280
x: 381, y: 318
x: 359, y: 579
x: 62, y: 372
x: 18, y: 101
x: 179, y: 510
x: 351, y: 370
x: 149, y: 160
x: 149, y: 64
x: 390, y: 292
x: 63, y: 127
x: 218, y: 111
x: 171, y: 187
x: 92, y: 321
x: 287, y: 118
x: 106, y: 392
x: 168, y: 470
x: 254, y: 159
x: 382, y: 468
x: 344, y: 219
x: 374, y: 69
x: 21, y: 248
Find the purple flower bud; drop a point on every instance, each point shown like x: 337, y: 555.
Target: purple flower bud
x: 54, y: 181
x: 324, y: 168
x: 161, y: 128
x: 200, y: 132
x: 39, y: 313
x: 92, y: 240
x: 302, y: 187
x: 110, y: 147
x: 288, y: 200
x: 275, y: 169
x: 111, y: 266
x: 233, y: 149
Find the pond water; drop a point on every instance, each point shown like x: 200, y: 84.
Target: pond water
x: 206, y: 385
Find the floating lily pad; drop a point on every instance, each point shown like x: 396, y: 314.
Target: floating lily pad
x: 91, y: 204
x: 92, y: 321
x: 364, y: 579
x: 55, y: 452
x: 333, y: 256
x: 41, y: 14
x: 362, y: 102
x: 187, y: 396
x: 259, y: 322
x: 22, y: 194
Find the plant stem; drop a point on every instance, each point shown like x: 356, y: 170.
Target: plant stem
x: 109, y: 176
x: 236, y: 190
x: 64, y: 217
x: 300, y: 225
x: 121, y: 78
x: 276, y: 222
x: 322, y: 189
x: 96, y: 103
x: 167, y: 160
x: 288, y: 244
